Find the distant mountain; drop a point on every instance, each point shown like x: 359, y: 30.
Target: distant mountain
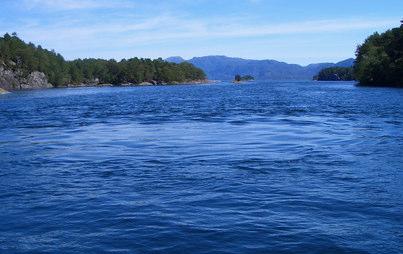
x: 346, y: 63
x: 225, y: 68
x: 175, y: 59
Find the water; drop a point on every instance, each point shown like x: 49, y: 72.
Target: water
x: 296, y: 167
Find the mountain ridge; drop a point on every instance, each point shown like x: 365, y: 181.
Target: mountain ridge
x: 219, y: 67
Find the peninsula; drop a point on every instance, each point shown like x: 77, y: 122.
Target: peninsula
x: 27, y: 66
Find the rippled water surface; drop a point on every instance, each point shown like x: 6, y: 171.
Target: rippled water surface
x: 259, y: 168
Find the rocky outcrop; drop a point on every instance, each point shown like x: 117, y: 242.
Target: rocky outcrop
x: 36, y: 80
x: 2, y: 91
x: 16, y: 80
x: 8, y: 79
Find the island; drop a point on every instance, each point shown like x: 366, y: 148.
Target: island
x: 27, y: 66
x: 335, y: 74
x: 238, y: 78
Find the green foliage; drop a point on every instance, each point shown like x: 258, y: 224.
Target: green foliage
x: 380, y: 59
x: 239, y: 78
x: 15, y: 54
x: 335, y: 74
x: 247, y: 78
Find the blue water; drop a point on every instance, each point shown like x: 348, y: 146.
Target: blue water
x: 298, y: 167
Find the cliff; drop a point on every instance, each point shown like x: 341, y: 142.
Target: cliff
x: 16, y: 80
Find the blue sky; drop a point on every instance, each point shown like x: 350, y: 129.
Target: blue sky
x: 295, y: 31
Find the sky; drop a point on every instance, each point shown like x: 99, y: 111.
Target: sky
x: 294, y: 31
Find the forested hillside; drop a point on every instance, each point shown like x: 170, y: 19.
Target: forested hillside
x: 380, y: 59
x: 18, y: 56
x: 335, y: 74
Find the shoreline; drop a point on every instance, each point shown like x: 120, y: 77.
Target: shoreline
x: 154, y: 83
x: 3, y: 91
x: 96, y: 85
x: 242, y: 82
x: 193, y: 82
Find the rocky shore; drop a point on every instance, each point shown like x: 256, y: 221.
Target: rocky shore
x: 16, y: 80
x: 150, y: 83
x: 2, y: 91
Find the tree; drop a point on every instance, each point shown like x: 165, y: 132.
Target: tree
x: 335, y: 74
x: 239, y: 78
x: 380, y: 59
x: 15, y: 54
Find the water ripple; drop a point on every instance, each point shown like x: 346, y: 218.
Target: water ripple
x: 269, y: 167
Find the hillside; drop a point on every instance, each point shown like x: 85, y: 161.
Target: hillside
x: 380, y: 59
x: 26, y: 66
x: 225, y: 68
x: 335, y: 74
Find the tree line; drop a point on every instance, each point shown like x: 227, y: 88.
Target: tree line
x: 336, y: 74
x: 239, y: 78
x: 17, y: 55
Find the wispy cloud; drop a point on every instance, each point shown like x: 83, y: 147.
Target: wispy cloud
x: 89, y: 28
x: 167, y: 27
x: 76, y: 4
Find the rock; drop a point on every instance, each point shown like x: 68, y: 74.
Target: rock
x: 8, y: 79
x: 36, y: 80
x: 126, y: 84
x: 2, y: 91
x: 16, y: 80
x: 145, y: 84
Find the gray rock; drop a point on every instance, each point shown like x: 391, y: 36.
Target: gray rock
x: 8, y: 79
x: 145, y: 84
x: 36, y: 80
x: 16, y: 80
x: 2, y: 91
